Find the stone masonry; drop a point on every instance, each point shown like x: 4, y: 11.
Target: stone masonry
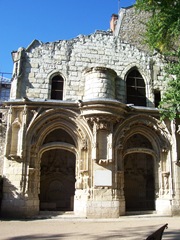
x: 83, y: 129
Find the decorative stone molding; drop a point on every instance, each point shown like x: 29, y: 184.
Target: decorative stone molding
x: 142, y: 150
x: 102, y: 140
x: 14, y: 157
x: 104, y: 122
x: 145, y: 121
x: 104, y: 161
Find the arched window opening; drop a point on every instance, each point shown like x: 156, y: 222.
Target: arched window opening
x: 136, y: 92
x: 57, y: 87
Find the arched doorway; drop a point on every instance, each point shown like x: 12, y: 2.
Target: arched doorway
x: 139, y: 174
x: 57, y: 180
x: 57, y: 171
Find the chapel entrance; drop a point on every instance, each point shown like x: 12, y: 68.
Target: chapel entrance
x: 139, y: 183
x: 57, y: 180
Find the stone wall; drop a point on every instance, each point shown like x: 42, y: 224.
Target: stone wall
x: 2, y: 137
x: 71, y: 58
x: 97, y: 130
x: 131, y: 27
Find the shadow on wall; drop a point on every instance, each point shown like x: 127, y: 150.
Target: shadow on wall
x: 1, y: 190
x: 8, y: 206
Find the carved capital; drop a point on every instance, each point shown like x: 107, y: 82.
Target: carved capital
x: 102, y: 122
x: 103, y: 161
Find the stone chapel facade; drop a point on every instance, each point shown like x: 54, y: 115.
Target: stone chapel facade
x: 83, y: 132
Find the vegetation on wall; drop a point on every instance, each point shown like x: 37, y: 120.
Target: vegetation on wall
x: 163, y: 35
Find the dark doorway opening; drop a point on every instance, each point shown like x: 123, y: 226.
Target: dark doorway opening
x: 57, y: 180
x: 139, y: 188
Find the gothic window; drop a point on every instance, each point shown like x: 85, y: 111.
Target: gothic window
x: 135, y: 87
x: 57, y: 87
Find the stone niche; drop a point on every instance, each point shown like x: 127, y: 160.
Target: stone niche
x: 99, y: 83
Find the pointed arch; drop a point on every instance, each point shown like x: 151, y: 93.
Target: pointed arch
x: 56, y: 85
x: 141, y: 146
x: 135, y: 88
x: 148, y: 126
x: 54, y: 136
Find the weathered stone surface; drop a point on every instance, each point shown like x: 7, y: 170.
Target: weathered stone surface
x: 74, y: 142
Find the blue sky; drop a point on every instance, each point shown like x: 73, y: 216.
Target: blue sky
x: 22, y: 21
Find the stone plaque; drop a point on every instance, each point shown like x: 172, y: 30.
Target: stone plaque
x: 103, y: 178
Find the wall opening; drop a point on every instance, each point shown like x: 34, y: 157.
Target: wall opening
x: 139, y: 183
x: 57, y: 180
x: 135, y: 88
x: 57, y: 86
x: 157, y: 98
x: 139, y: 174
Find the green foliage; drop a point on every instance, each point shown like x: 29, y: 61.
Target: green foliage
x: 170, y: 103
x: 163, y: 28
x: 163, y: 35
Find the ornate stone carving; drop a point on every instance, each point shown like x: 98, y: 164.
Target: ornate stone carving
x: 165, y: 176
x: 145, y: 121
x: 104, y: 161
x: 82, y: 181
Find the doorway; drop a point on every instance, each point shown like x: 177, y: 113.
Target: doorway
x: 139, y: 183
x: 57, y: 180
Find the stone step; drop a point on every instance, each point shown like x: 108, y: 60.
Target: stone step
x: 58, y: 214
x: 129, y: 213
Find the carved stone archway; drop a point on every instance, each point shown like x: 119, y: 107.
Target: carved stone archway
x: 58, y: 154
x: 140, y: 141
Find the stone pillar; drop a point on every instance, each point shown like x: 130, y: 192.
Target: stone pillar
x: 104, y: 202
x: 99, y: 83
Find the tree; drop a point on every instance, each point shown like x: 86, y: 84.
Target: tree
x: 163, y: 35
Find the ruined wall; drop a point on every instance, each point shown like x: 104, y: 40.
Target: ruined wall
x: 72, y: 58
x: 93, y: 67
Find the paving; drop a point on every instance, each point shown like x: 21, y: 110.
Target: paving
x: 70, y: 227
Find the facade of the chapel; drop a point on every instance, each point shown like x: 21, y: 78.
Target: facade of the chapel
x: 82, y: 130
